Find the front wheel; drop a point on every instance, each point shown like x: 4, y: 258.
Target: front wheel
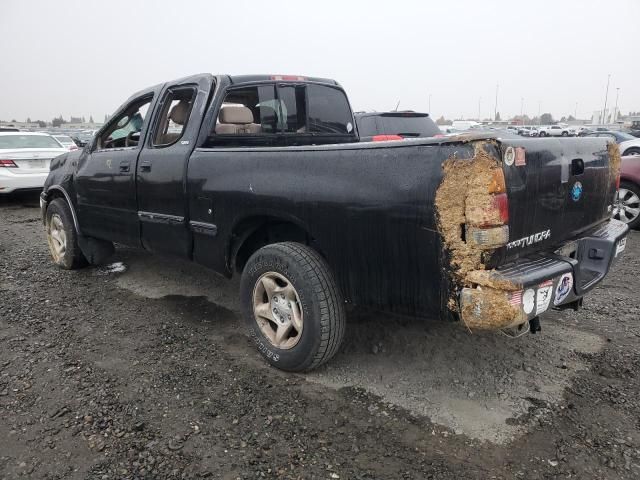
x: 62, y: 236
x: 565, y: 134
x: 292, y: 306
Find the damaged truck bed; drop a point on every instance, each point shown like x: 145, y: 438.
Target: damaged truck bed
x: 526, y: 227
x: 486, y: 231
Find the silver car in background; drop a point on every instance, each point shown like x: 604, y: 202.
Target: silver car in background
x: 25, y: 158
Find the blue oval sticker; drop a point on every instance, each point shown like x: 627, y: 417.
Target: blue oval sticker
x: 576, y: 191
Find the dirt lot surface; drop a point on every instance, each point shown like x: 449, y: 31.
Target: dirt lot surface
x: 141, y: 369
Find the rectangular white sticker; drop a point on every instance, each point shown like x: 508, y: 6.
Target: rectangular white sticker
x: 543, y: 298
x: 621, y: 246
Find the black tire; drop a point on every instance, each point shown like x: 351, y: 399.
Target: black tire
x: 71, y: 257
x: 632, y: 151
x: 634, y: 189
x: 565, y: 134
x: 320, y: 301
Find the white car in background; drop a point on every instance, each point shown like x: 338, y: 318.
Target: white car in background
x: 25, y: 158
x: 553, y: 131
x: 528, y: 131
x: 66, y: 141
x: 630, y: 147
x: 577, y: 130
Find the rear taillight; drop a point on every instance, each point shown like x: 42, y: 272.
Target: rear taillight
x: 73, y: 147
x: 497, y: 183
x: 487, y: 221
x: 488, y: 237
x: 384, y: 138
x: 501, y: 204
x: 8, y: 164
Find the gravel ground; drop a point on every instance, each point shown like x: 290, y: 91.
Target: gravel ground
x: 141, y: 369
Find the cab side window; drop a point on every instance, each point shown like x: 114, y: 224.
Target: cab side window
x: 282, y: 115
x: 124, y: 130
x: 174, y: 115
x: 248, y: 116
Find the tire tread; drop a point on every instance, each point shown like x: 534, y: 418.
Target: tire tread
x: 331, y: 305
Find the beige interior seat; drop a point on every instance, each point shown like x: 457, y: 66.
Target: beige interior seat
x: 236, y: 120
x: 177, y: 115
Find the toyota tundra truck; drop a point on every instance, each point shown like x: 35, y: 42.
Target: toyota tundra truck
x: 264, y: 176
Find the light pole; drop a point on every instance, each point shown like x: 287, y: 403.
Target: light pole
x: 615, y: 110
x: 429, y: 104
x: 576, y: 112
x: 521, y: 110
x: 539, y: 104
x: 606, y: 94
x: 495, y: 111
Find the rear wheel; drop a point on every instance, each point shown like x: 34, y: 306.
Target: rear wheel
x: 565, y: 134
x: 292, y: 306
x: 542, y: 134
x: 627, y: 204
x: 62, y: 236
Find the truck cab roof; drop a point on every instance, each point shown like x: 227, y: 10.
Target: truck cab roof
x: 237, y: 79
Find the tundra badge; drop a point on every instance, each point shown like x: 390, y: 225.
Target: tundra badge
x: 530, y: 240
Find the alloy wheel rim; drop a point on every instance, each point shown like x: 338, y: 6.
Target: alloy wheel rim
x: 277, y: 310
x: 627, y: 205
x: 57, y: 237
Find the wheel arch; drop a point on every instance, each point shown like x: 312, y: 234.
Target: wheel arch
x: 252, y: 233
x: 634, y: 148
x: 57, y: 191
x: 632, y: 180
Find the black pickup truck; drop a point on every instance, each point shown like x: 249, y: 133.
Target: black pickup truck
x: 265, y: 176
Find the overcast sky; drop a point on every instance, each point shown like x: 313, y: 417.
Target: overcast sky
x: 85, y: 58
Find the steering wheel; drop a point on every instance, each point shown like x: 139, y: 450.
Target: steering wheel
x: 130, y: 141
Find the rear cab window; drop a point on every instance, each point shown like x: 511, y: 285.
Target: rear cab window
x: 329, y: 111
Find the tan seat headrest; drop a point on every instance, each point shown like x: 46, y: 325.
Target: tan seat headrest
x: 179, y: 112
x: 236, y: 115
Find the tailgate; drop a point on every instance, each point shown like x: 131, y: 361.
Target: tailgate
x: 557, y: 188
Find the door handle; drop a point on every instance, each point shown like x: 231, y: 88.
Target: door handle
x: 145, y: 166
x: 124, y: 165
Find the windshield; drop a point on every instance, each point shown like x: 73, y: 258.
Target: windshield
x: 28, y: 141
